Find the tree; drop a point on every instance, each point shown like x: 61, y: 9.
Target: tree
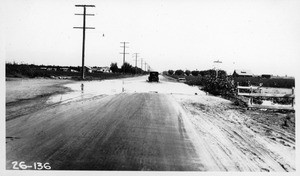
x: 209, y: 72
x: 171, y: 72
x: 127, y: 68
x: 222, y: 74
x: 187, y: 72
x: 195, y: 72
x: 222, y: 85
x: 179, y: 72
x: 114, y: 67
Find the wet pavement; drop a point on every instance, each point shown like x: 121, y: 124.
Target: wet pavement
x: 126, y: 124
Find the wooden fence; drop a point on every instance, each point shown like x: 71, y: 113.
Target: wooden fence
x: 256, y: 91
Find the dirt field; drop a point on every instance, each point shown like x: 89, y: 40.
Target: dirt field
x: 235, y: 137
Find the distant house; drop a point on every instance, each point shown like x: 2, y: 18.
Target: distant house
x: 51, y: 69
x: 88, y: 69
x: 64, y: 69
x: 105, y: 69
x: 100, y: 69
x: 268, y: 76
x: 72, y: 70
x: 242, y: 73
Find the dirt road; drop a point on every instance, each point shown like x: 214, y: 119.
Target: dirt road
x: 130, y: 124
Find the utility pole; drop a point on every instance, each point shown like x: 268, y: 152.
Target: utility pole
x: 124, y: 46
x: 136, y: 55
x: 145, y: 66
x: 83, y: 35
x: 142, y: 64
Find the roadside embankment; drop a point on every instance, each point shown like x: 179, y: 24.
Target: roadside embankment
x: 240, y: 139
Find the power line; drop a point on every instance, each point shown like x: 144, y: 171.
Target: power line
x: 142, y: 64
x: 145, y: 66
x: 83, y: 35
x: 124, y: 46
x: 136, y: 55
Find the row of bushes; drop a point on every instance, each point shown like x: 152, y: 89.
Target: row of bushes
x: 31, y: 71
x: 282, y: 101
x: 194, y: 72
x: 216, y: 85
x: 126, y: 68
x: 225, y: 86
x: 272, y: 82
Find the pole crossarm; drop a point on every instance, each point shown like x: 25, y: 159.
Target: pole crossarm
x: 85, y: 6
x: 85, y: 14
x: 82, y: 27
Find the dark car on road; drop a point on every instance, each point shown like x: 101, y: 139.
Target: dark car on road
x: 153, y: 77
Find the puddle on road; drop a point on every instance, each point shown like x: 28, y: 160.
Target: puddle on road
x: 88, y: 89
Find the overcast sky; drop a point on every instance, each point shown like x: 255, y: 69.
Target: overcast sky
x: 260, y: 35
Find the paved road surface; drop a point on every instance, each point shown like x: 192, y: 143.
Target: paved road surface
x: 126, y: 124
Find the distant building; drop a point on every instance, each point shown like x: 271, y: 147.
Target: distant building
x: 105, y: 69
x: 64, y: 69
x: 100, y: 69
x: 51, y: 69
x: 268, y: 76
x: 72, y: 70
x: 242, y: 73
x: 88, y: 69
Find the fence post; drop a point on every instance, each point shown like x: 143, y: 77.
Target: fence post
x: 251, y: 91
x: 293, y: 93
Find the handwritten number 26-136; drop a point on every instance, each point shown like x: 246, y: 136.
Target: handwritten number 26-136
x: 36, y: 165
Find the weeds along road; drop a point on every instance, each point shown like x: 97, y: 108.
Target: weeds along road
x: 130, y: 124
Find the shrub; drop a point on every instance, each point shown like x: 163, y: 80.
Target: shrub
x: 187, y: 72
x: 272, y: 82
x: 171, y: 72
x: 222, y: 85
x: 283, y: 101
x: 257, y: 100
x: 194, y: 80
x: 195, y: 73
x: 114, y: 67
x: 179, y: 72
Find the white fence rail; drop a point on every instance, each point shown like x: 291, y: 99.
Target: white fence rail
x: 256, y: 91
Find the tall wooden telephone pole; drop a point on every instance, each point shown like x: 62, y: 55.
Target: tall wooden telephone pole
x: 83, y: 35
